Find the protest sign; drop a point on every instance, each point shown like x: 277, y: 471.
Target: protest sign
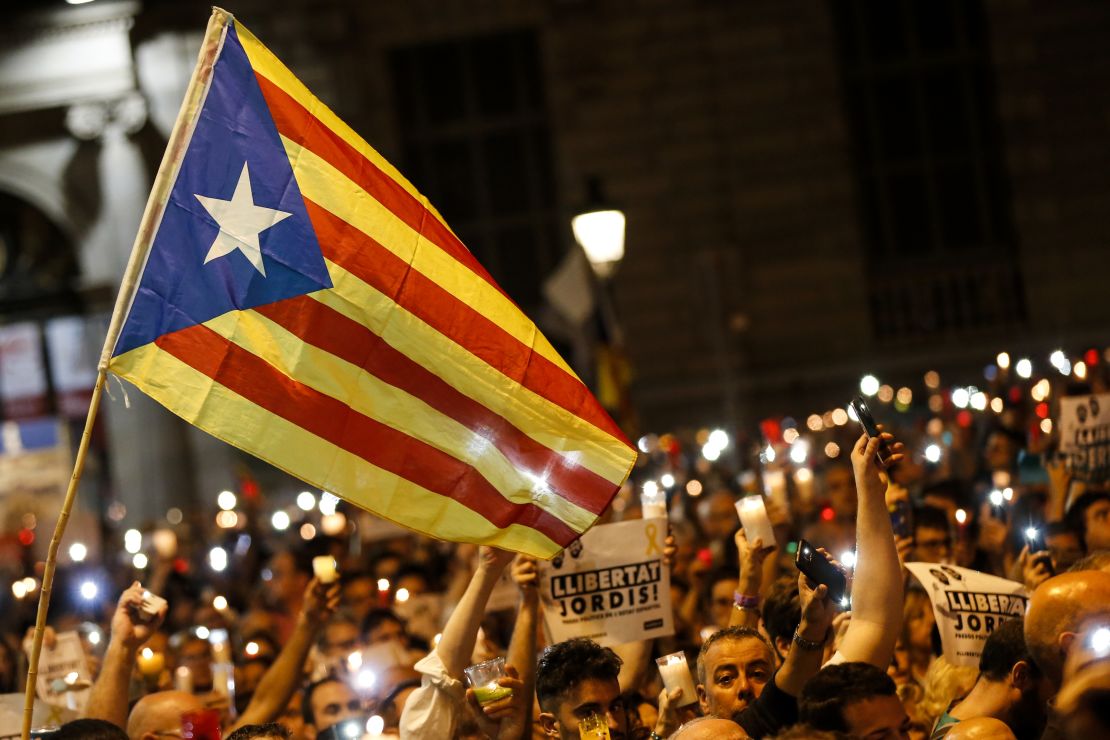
x: 968, y: 605
x: 1085, y: 435
x: 64, y: 677
x: 610, y: 586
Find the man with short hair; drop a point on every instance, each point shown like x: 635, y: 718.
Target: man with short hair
x: 856, y: 698
x: 1010, y: 687
x: 1089, y: 516
x: 268, y: 731
x: 159, y: 714
x: 575, y: 679
x: 932, y: 535
x: 328, y: 702
x: 1058, y: 610
x: 710, y: 728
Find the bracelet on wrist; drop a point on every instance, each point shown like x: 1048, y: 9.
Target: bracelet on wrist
x: 805, y: 644
x: 745, y: 601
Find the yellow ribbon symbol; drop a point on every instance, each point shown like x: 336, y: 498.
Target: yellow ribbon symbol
x: 653, y: 540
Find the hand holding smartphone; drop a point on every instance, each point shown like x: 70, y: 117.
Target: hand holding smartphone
x: 1038, y: 550
x: 870, y: 428
x: 818, y: 569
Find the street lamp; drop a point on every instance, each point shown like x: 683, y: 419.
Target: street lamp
x: 599, y: 228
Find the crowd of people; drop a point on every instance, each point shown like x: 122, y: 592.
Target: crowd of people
x: 272, y: 648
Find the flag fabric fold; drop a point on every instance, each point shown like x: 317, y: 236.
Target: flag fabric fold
x: 301, y: 300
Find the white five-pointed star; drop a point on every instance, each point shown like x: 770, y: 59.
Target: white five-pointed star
x: 240, y: 222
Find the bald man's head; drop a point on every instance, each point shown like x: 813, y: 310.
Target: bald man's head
x: 980, y: 728
x: 710, y: 728
x: 1059, y: 608
x: 160, y: 712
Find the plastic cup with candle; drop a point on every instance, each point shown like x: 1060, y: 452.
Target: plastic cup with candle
x: 150, y: 662
x: 593, y: 727
x: 653, y: 501
x: 754, y: 519
x: 183, y: 679
x: 323, y: 566
x: 483, y: 679
x: 774, y: 486
x: 165, y: 542
x: 676, y: 675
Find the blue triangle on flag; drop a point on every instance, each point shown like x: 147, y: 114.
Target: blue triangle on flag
x: 178, y: 288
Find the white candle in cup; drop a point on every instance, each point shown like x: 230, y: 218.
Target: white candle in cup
x: 653, y: 501
x: 150, y: 662
x: 774, y: 486
x: 324, y: 568
x: 676, y: 675
x: 183, y: 679
x: 753, y: 517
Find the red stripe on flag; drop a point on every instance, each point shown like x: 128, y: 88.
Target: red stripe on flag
x: 297, y: 124
x: 332, y: 420
x: 365, y: 258
x: 332, y: 332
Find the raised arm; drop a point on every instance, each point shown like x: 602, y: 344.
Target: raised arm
x: 457, y: 643
x: 108, y: 697
x: 522, y: 646
x: 284, y: 676
x: 753, y: 556
x: 803, y: 659
x: 877, y: 605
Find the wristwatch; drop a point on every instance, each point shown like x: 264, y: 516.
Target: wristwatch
x: 805, y: 644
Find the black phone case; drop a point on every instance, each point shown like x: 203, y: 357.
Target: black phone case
x: 819, y: 570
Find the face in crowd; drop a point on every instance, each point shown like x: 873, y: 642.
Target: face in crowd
x: 733, y: 667
x: 326, y: 703
x: 576, y: 679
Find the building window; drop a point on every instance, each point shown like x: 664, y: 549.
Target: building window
x: 475, y: 140
x: 934, y: 201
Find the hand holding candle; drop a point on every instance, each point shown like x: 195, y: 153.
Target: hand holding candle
x: 323, y: 566
x: 753, y: 517
x: 676, y: 675
x: 483, y: 679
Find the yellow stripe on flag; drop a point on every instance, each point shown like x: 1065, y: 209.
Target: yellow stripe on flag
x: 549, y: 424
x: 391, y: 406
x: 269, y: 66
x: 334, y: 192
x: 228, y: 416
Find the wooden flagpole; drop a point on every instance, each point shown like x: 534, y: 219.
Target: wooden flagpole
x: 152, y: 216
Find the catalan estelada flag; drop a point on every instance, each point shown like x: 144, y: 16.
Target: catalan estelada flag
x: 293, y: 295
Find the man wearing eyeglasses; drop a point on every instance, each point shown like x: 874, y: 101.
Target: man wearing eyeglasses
x: 932, y: 536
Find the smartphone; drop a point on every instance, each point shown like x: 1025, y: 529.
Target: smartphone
x: 1034, y: 538
x: 147, y: 611
x: 900, y: 518
x: 819, y: 570
x: 870, y: 428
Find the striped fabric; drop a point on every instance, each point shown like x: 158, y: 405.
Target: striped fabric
x: 397, y: 375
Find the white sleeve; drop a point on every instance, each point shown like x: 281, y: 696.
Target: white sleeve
x: 434, y: 710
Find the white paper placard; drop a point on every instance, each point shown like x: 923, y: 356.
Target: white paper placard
x: 968, y: 606
x: 610, y: 585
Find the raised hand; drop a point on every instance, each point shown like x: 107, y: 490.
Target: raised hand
x: 320, y: 601
x: 504, y: 718
x: 870, y: 473
x: 494, y: 559
x: 130, y: 631
x: 752, y: 555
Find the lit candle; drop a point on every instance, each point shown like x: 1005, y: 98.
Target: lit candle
x: 165, y: 542
x: 324, y: 568
x: 774, y: 486
x: 676, y: 675
x: 753, y: 517
x: 150, y: 662
x: 383, y: 591
x: 653, y: 502
x: 183, y: 679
